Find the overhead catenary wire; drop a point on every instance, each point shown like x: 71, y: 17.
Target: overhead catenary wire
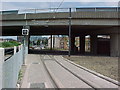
x: 56, y: 9
x: 59, y: 5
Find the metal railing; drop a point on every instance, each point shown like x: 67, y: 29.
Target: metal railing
x: 56, y: 10
x: 9, y: 51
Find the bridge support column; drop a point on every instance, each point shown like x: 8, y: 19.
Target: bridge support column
x: 93, y: 44
x: 115, y: 45
x: 51, y: 42
x: 82, y: 44
x: 72, y: 44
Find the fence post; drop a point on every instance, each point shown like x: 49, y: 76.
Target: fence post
x: 1, y: 66
x: 19, y: 47
x: 15, y: 49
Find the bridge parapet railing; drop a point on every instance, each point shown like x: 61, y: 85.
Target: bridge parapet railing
x: 10, y: 67
x: 44, y: 10
x: 58, y: 10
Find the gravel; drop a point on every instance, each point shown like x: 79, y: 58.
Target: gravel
x: 107, y: 66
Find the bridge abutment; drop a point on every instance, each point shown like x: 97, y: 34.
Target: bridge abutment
x: 93, y: 44
x: 72, y: 44
x: 82, y: 44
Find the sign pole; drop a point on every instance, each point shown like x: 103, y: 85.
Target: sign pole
x: 69, y: 32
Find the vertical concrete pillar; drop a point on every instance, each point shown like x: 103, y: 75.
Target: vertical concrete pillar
x: 15, y: 49
x: 1, y: 66
x: 93, y: 44
x: 72, y: 44
x: 82, y: 44
x: 19, y: 47
x: 51, y: 42
x: 115, y: 45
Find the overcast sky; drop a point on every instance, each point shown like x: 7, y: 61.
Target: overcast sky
x: 38, y: 4
x: 25, y: 4
x: 60, y: 0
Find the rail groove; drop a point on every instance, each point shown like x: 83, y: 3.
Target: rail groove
x: 94, y: 87
x: 105, y: 78
x: 51, y: 78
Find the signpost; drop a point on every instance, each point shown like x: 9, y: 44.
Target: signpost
x: 25, y: 33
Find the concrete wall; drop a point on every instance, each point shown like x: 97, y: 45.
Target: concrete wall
x: 1, y: 66
x: 10, y: 68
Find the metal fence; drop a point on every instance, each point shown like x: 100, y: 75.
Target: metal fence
x: 11, y: 68
x: 58, y: 10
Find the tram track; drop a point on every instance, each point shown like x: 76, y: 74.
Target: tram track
x: 51, y: 78
x: 87, y: 82
x: 56, y: 84
x: 93, y: 87
x: 94, y: 73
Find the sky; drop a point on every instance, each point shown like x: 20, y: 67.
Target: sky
x: 60, y: 0
x: 38, y: 4
x: 25, y: 4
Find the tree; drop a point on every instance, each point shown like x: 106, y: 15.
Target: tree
x: 38, y: 42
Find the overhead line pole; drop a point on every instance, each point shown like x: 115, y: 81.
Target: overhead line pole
x: 69, y: 53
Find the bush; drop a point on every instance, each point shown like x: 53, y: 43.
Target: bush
x: 0, y: 44
x: 9, y: 44
x: 15, y: 43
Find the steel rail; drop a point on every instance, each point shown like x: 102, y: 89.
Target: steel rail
x: 114, y: 82
x: 95, y: 87
x: 51, y: 78
x: 80, y: 78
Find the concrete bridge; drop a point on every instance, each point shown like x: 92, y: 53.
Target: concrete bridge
x: 84, y: 21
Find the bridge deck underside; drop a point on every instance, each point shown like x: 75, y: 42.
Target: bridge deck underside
x: 55, y: 30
